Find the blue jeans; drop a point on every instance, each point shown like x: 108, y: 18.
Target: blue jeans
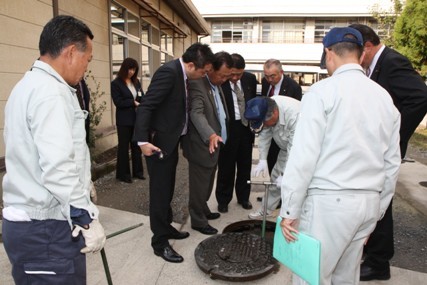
x: 44, y: 252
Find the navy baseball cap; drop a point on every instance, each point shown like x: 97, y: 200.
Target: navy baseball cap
x: 255, y: 112
x: 340, y: 35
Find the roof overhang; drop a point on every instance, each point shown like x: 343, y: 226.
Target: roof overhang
x: 185, y: 9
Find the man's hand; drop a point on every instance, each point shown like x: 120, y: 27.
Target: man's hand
x: 149, y: 149
x: 288, y: 227
x: 93, y: 194
x: 279, y: 181
x: 214, y: 141
x: 260, y: 168
x: 94, y: 236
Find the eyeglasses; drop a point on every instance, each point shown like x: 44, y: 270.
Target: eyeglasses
x: 271, y: 76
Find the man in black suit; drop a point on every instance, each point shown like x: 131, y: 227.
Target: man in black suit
x: 237, y: 152
x: 83, y: 96
x: 276, y: 83
x: 394, y: 73
x: 206, y: 133
x: 161, y: 122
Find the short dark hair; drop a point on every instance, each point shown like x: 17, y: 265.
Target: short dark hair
x: 128, y: 63
x: 199, y: 54
x: 222, y: 58
x: 343, y: 48
x: 368, y: 34
x: 238, y: 61
x: 62, y: 31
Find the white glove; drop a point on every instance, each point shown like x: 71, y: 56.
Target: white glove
x: 94, y: 236
x: 260, y: 168
x: 279, y: 181
x: 93, y: 194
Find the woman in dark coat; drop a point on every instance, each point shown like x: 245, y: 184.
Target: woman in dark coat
x: 126, y: 92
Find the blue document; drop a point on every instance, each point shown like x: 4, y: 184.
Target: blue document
x: 301, y: 256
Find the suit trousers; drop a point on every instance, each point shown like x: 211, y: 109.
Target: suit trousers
x: 162, y: 186
x: 380, y: 246
x: 44, y: 252
x: 125, y: 134
x: 341, y: 222
x: 201, y: 181
x: 235, y: 155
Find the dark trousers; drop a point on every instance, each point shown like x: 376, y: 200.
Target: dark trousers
x: 236, y: 154
x: 273, y: 152
x: 201, y: 181
x: 380, y: 246
x: 125, y: 134
x: 162, y: 186
x: 44, y: 252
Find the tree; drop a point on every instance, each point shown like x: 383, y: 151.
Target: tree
x: 386, y: 21
x: 410, y: 34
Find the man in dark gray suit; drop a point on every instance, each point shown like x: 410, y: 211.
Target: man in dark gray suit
x: 161, y: 122
x: 207, y: 131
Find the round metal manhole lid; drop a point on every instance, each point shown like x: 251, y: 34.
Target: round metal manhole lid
x: 235, y: 257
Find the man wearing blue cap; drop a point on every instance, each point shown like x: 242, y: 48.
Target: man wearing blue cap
x: 343, y: 167
x: 276, y: 118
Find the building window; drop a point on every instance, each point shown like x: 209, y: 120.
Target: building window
x: 125, y: 36
x: 233, y: 31
x: 117, y: 17
x: 323, y: 26
x: 283, y: 31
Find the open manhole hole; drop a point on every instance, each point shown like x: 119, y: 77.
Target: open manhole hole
x: 252, y: 227
x: 235, y: 256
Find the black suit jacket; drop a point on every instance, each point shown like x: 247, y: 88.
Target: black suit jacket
x: 161, y: 116
x: 86, y: 100
x: 288, y: 88
x: 124, y: 102
x: 248, y: 83
x: 395, y: 73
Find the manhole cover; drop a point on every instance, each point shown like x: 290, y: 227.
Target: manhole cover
x: 235, y: 257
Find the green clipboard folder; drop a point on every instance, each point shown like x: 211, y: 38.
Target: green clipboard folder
x: 301, y: 256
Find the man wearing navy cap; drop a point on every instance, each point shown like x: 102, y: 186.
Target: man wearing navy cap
x: 276, y: 119
x: 343, y: 166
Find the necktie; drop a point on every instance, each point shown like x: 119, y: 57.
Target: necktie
x: 187, y: 107
x: 221, y: 114
x: 241, y: 102
x: 368, y: 71
x: 271, y: 93
x: 79, y: 96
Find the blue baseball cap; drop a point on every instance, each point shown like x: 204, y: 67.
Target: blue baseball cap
x: 255, y: 112
x: 340, y: 35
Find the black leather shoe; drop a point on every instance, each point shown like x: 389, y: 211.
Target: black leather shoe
x: 213, y: 216
x: 179, y: 235
x: 139, y: 176
x: 125, y: 179
x: 368, y: 273
x: 206, y: 230
x: 222, y: 208
x: 168, y: 254
x: 246, y: 205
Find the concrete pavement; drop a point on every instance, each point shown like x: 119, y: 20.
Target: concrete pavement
x: 131, y: 259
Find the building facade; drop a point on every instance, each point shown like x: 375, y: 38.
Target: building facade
x: 290, y: 31
x: 151, y: 31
